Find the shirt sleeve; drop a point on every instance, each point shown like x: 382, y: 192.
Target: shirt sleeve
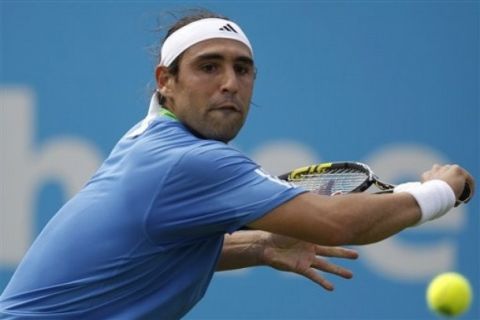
x: 213, y: 190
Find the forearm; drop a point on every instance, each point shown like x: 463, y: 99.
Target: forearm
x: 342, y: 220
x: 377, y: 217
x: 242, y: 249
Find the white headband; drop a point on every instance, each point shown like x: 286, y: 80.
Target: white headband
x: 197, y: 31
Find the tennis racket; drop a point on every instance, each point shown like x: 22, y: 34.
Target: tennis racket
x: 343, y: 177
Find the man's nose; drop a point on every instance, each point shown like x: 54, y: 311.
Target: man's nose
x: 230, y: 81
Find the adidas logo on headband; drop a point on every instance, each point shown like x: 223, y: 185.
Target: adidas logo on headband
x: 228, y: 27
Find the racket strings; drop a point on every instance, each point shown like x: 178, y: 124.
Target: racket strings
x: 337, y: 180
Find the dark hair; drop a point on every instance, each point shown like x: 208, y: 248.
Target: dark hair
x: 188, y: 17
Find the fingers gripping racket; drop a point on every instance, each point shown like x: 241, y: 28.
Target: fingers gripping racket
x: 342, y: 177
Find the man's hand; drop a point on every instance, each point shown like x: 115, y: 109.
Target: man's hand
x: 289, y: 254
x: 454, y: 175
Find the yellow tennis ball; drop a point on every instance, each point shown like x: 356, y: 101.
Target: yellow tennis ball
x: 449, y: 294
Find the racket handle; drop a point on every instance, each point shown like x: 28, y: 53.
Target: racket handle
x: 465, y: 196
x: 465, y: 193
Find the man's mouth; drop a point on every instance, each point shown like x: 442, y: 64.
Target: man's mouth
x: 227, y: 107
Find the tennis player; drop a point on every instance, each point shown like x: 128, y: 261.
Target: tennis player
x: 143, y: 238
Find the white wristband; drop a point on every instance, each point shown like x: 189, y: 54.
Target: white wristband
x: 434, y: 197
x: 404, y: 187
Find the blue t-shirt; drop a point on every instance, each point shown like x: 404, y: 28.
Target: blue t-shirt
x: 142, y: 238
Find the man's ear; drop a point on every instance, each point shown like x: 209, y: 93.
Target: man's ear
x: 164, y: 80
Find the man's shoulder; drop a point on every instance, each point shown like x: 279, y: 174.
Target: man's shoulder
x: 211, y: 159
x: 212, y: 150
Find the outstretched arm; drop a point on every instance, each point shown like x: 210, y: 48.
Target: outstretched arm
x: 255, y: 248
x: 363, y: 218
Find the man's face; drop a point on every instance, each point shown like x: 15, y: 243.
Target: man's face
x: 212, y: 91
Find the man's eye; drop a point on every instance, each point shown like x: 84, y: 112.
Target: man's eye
x: 209, y: 68
x: 243, y: 70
